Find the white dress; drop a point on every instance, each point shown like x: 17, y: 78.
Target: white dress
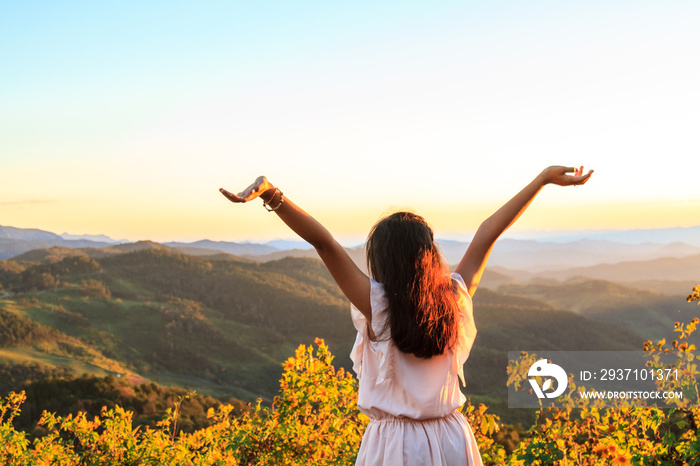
x: 413, y: 403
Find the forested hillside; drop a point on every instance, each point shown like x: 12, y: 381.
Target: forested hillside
x: 220, y: 326
x: 645, y: 312
x: 224, y: 325
x: 85, y: 328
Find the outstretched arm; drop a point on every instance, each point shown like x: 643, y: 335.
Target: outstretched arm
x: 352, y: 281
x: 472, y: 265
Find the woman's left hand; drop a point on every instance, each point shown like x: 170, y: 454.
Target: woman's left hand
x: 259, y: 186
x: 560, y: 175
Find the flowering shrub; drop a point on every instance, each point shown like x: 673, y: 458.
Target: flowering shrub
x: 624, y: 435
x: 314, y: 420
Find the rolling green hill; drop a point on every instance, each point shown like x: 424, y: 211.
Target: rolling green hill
x: 220, y: 326
x: 645, y: 312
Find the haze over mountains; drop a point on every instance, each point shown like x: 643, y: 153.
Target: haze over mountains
x: 552, y: 251
x: 665, y: 266
x: 690, y: 235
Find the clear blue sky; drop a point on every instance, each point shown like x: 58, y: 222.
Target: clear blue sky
x: 124, y: 117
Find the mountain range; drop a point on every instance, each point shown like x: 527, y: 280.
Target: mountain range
x: 223, y: 323
x: 530, y: 256
x: 690, y: 235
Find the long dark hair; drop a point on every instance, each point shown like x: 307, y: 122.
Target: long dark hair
x: 402, y: 256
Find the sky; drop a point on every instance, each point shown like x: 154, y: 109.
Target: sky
x: 124, y: 118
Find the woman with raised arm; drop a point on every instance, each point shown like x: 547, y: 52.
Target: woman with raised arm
x: 414, y: 322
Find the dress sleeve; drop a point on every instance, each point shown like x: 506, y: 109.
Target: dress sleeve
x: 467, y: 328
x: 378, y: 305
x: 360, y: 323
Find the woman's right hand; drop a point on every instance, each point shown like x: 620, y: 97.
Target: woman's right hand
x: 259, y: 186
x: 560, y: 175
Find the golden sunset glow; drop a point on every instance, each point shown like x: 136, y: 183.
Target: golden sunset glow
x: 351, y: 111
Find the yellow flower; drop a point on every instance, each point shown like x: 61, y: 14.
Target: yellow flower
x: 600, y: 449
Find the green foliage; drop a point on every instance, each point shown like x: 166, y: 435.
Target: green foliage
x: 642, y: 311
x: 48, y: 276
x: 17, y: 330
x: 72, y: 266
x: 94, y: 289
x: 147, y: 401
x: 9, y: 271
x: 14, y: 377
x: 34, y: 279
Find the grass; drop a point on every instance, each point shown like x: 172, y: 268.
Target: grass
x: 205, y: 386
x: 19, y: 355
x: 99, y: 336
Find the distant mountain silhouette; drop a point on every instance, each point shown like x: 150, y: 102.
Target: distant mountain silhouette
x: 12, y: 247
x: 288, y: 244
x: 538, y: 256
x: 689, y: 235
x: 96, y: 238
x: 666, y: 268
x: 523, y: 255
x: 238, y: 249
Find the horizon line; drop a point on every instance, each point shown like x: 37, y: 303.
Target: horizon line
x: 355, y: 240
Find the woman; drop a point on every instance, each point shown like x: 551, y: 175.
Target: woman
x: 414, y: 321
